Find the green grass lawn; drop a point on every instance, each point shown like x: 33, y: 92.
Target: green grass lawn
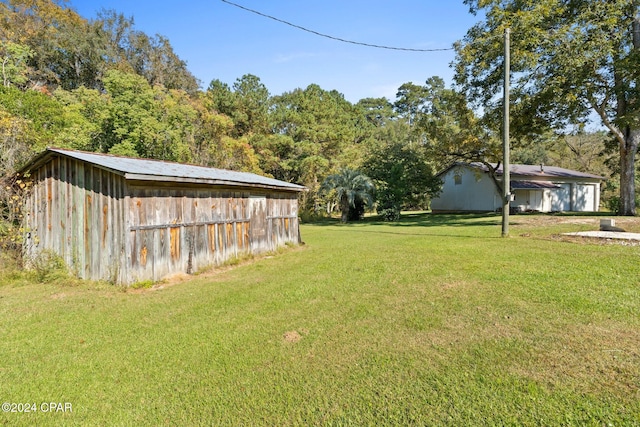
x: 435, y: 320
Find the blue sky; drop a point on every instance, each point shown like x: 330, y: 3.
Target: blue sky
x: 221, y: 41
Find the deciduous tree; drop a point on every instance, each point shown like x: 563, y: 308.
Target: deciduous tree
x: 569, y: 59
x: 403, y: 174
x: 13, y: 63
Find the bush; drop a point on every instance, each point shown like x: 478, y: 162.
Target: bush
x: 390, y: 214
x: 389, y: 205
x: 11, y: 236
x: 308, y: 216
x: 613, y: 204
x: 48, y: 267
x: 13, y: 190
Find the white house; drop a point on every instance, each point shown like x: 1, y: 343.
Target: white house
x: 468, y: 187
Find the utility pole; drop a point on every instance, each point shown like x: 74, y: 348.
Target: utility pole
x: 506, y: 179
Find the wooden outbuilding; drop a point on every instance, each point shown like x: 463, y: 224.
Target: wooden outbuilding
x: 127, y: 220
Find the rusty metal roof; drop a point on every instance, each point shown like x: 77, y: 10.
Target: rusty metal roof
x: 157, y: 170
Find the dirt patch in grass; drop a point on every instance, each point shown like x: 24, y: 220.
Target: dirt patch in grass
x: 291, y: 336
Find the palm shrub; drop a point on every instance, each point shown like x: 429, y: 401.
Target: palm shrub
x: 353, y: 190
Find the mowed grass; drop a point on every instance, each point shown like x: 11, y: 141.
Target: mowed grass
x: 435, y: 320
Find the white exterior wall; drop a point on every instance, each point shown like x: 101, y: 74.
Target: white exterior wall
x: 585, y: 197
x: 474, y: 192
x: 568, y: 197
x: 560, y: 198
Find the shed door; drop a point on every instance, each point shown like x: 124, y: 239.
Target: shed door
x: 259, y: 223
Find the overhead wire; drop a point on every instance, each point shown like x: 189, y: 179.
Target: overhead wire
x: 333, y: 37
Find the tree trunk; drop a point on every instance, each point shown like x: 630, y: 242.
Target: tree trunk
x: 344, y: 208
x: 629, y: 147
x: 628, y: 152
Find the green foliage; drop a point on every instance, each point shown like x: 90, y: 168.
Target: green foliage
x: 62, y: 49
x: 13, y: 58
x: 403, y: 174
x: 410, y: 100
x: 377, y: 111
x: 276, y: 154
x: 157, y: 122
x: 247, y: 104
x: 17, y: 137
x: 352, y: 190
x: 312, y: 216
x: 145, y: 284
x: 391, y: 213
x: 324, y: 130
x: 612, y: 203
x: 252, y: 96
x: 43, y: 117
x: 569, y: 60
x: 13, y: 190
x: 125, y: 148
x: 452, y: 130
x: 48, y: 267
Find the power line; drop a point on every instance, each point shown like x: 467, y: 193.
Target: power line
x: 332, y: 37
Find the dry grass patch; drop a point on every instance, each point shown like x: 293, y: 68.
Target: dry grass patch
x: 591, y: 357
x: 573, y: 223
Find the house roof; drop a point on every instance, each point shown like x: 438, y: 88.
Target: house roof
x: 533, y: 171
x: 158, y: 170
x: 532, y: 185
x: 544, y: 171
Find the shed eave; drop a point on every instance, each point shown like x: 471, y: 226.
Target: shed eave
x: 47, y: 155
x: 204, y: 181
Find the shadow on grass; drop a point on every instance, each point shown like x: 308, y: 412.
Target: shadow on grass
x: 420, y: 219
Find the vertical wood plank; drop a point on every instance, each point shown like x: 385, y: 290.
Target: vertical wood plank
x: 61, y: 208
x: 80, y: 209
x: 96, y: 209
x: 88, y: 221
x: 105, y: 228
x: 44, y: 228
x: 125, y: 273
x: 120, y: 230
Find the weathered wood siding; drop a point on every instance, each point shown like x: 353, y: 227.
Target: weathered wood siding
x: 75, y: 210
x: 282, y: 216
x: 173, y: 230
x: 109, y: 228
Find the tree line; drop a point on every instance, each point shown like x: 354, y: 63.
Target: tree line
x: 102, y: 85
